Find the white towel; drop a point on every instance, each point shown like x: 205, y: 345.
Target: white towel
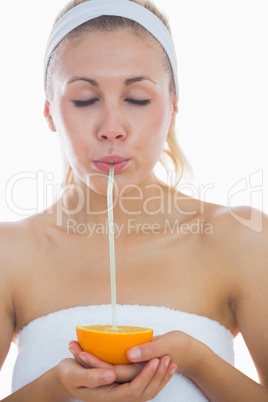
x: 43, y: 343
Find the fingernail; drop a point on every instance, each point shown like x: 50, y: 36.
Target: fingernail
x: 134, y: 353
x: 83, y: 357
x: 167, y: 363
x: 108, y: 375
x: 156, y: 363
x: 74, y: 349
x: 172, y: 372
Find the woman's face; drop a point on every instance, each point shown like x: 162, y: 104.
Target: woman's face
x: 111, y: 104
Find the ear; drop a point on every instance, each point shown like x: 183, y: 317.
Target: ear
x: 48, y: 116
x: 175, y: 110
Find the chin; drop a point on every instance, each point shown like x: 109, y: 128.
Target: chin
x: 121, y: 186
x: 124, y: 182
x: 98, y: 184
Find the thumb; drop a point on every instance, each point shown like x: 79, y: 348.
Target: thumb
x: 145, y: 352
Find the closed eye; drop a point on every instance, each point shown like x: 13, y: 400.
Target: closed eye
x: 78, y: 103
x: 139, y: 102
x: 89, y: 102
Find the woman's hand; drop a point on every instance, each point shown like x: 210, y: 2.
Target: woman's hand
x: 98, y: 384
x: 124, y: 372
x: 181, y: 348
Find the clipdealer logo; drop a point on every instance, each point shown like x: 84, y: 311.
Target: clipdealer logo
x: 133, y: 226
x: 42, y: 191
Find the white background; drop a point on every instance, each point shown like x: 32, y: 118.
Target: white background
x: 222, y: 48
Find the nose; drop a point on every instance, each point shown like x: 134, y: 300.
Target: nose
x: 112, y: 127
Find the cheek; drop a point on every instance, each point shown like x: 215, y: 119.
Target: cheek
x: 68, y: 126
x: 71, y: 132
x: 158, y: 127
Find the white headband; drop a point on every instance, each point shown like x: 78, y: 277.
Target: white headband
x: 122, y: 8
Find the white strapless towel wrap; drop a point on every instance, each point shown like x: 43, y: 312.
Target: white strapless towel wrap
x: 43, y: 343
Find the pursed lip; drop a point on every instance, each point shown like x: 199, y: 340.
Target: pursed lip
x: 104, y: 164
x: 112, y: 159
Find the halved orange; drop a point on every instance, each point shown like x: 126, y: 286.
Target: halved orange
x: 111, y: 345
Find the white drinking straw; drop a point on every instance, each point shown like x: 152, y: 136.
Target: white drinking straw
x: 111, y: 242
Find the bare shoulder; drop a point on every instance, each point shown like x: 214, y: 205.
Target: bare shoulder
x: 18, y: 238
x: 13, y: 238
x: 19, y: 244
x: 239, y: 229
x: 237, y: 233
x: 241, y: 235
x: 15, y: 245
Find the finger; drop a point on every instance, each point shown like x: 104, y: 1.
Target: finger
x: 140, y: 383
x: 135, y: 388
x: 154, y: 385
x: 86, y: 359
x: 99, y: 377
x: 89, y: 378
x: 92, y: 361
x: 127, y: 372
x: 74, y: 345
x: 164, y: 373
x: 146, y: 351
x: 124, y: 372
x: 75, y: 349
x: 169, y: 374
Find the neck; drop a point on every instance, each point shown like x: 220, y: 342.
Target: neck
x: 141, y: 203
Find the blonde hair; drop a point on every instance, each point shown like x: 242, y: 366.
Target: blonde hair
x: 172, y: 152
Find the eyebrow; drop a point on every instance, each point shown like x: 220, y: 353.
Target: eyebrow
x: 128, y: 81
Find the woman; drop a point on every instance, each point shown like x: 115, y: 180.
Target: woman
x: 112, y: 98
